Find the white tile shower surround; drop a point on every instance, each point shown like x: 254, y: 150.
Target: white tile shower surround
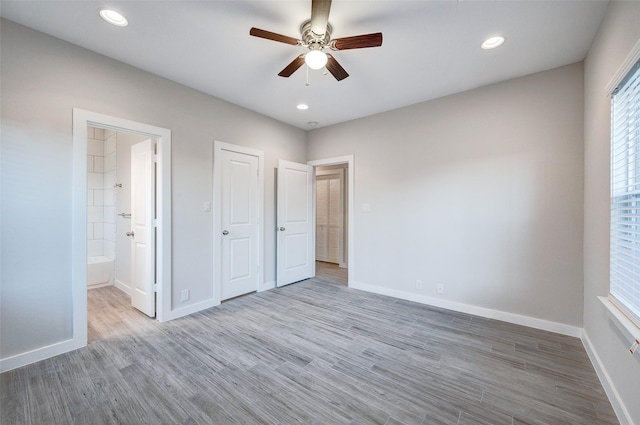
x: 95, y: 180
x: 101, y: 179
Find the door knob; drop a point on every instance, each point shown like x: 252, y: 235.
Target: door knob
x: 282, y: 229
x: 225, y: 232
x: 130, y: 233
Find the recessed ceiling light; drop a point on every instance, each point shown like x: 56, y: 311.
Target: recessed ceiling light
x: 312, y: 123
x: 492, y: 43
x: 114, y: 18
x: 302, y: 107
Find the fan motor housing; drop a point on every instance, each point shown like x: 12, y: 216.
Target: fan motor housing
x: 309, y: 38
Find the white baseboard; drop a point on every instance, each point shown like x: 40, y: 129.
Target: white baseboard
x: 267, y: 285
x: 517, y: 319
x: 614, y: 397
x: 190, y: 309
x: 38, y: 354
x: 123, y: 287
x: 99, y: 285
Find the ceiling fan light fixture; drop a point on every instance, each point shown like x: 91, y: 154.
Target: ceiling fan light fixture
x: 492, y: 43
x: 114, y: 18
x: 316, y: 59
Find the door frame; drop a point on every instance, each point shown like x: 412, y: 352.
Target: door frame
x: 334, y: 172
x: 82, y: 119
x: 349, y: 160
x: 218, y: 147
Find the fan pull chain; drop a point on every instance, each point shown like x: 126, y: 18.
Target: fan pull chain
x: 307, y: 83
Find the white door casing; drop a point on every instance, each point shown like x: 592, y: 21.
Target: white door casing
x: 295, y: 255
x: 239, y: 223
x: 81, y: 119
x: 349, y: 188
x: 142, y: 227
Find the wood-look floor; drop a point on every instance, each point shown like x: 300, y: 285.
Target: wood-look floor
x: 331, y: 271
x: 314, y: 352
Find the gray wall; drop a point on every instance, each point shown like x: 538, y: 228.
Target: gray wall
x: 480, y: 191
x: 618, y: 33
x: 43, y: 78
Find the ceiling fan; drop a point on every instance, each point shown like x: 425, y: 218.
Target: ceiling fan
x: 316, y: 36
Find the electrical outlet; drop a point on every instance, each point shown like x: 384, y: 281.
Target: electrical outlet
x: 418, y: 284
x: 184, y: 295
x: 440, y: 288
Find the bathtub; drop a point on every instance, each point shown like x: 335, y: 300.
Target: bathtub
x: 100, y: 271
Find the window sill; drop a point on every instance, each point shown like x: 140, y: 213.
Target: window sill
x: 628, y: 329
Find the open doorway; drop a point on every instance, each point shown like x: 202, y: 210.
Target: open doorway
x: 331, y: 222
x: 114, y: 188
x: 334, y: 190
x: 96, y: 208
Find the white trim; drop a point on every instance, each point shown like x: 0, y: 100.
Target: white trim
x: 79, y: 268
x: 267, y: 286
x: 218, y: 147
x: 99, y: 285
x: 517, y: 319
x: 625, y: 325
x: 121, y: 286
x: 351, y: 248
x: 38, y: 354
x: 190, y: 309
x: 624, y: 417
x: 81, y: 119
x: 632, y: 58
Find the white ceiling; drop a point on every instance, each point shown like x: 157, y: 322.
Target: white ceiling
x: 430, y: 49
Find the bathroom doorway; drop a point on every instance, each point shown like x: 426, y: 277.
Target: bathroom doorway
x: 104, y: 181
x: 119, y: 181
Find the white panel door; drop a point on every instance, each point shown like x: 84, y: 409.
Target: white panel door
x: 142, y: 233
x: 240, y: 224
x: 295, y: 223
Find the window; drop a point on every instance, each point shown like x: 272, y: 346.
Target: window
x: 625, y: 195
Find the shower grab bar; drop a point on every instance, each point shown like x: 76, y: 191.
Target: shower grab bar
x: 125, y: 215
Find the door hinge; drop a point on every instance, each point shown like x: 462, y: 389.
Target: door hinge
x: 155, y: 157
x: 155, y: 222
x: 155, y: 287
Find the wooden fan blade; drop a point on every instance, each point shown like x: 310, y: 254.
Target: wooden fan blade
x: 320, y: 16
x: 257, y: 32
x: 335, y: 68
x: 357, y: 41
x: 292, y: 67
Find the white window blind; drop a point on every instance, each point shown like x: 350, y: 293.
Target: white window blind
x: 625, y: 195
